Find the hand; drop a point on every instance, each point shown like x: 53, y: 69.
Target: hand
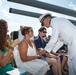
x: 15, y: 42
x: 38, y: 56
x: 40, y: 49
x: 41, y: 52
x: 56, y: 57
x: 62, y: 51
x: 52, y: 52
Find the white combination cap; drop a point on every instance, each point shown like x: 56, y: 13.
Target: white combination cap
x: 43, y: 15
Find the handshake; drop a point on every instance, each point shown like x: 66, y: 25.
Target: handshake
x: 42, y: 52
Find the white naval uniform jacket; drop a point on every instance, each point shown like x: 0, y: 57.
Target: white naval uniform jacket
x: 62, y: 32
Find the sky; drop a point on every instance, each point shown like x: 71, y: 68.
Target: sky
x: 15, y: 20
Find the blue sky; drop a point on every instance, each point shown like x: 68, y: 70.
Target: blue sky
x: 14, y: 20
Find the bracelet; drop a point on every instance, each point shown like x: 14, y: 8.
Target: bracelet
x: 10, y: 47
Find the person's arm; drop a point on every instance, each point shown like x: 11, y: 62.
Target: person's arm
x: 5, y: 59
x: 39, y: 49
x: 23, y: 47
x: 9, y: 55
x: 55, y: 33
x: 58, y: 45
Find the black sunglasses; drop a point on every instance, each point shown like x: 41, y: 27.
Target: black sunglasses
x: 44, y: 31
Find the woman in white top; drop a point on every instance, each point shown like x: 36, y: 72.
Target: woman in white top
x: 27, y: 57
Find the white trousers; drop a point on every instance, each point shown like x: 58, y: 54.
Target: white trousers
x: 72, y: 66
x: 72, y: 56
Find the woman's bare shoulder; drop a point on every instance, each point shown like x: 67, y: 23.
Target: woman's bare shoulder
x: 23, y: 43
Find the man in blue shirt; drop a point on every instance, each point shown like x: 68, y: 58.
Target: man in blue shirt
x: 54, y: 61
x: 39, y: 41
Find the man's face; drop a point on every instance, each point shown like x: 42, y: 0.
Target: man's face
x: 46, y: 22
x: 43, y: 33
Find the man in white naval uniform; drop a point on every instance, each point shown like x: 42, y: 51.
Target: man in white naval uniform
x: 63, y: 31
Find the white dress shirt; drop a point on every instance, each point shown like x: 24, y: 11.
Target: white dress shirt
x: 62, y: 30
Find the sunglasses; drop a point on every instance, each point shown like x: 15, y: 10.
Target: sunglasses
x: 31, y: 31
x: 44, y: 32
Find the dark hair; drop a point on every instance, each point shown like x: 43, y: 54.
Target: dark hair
x: 42, y: 28
x: 42, y: 24
x: 25, y: 30
x: 3, y: 34
x: 48, y: 15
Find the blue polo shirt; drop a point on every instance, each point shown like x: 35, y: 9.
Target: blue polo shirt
x: 39, y: 43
